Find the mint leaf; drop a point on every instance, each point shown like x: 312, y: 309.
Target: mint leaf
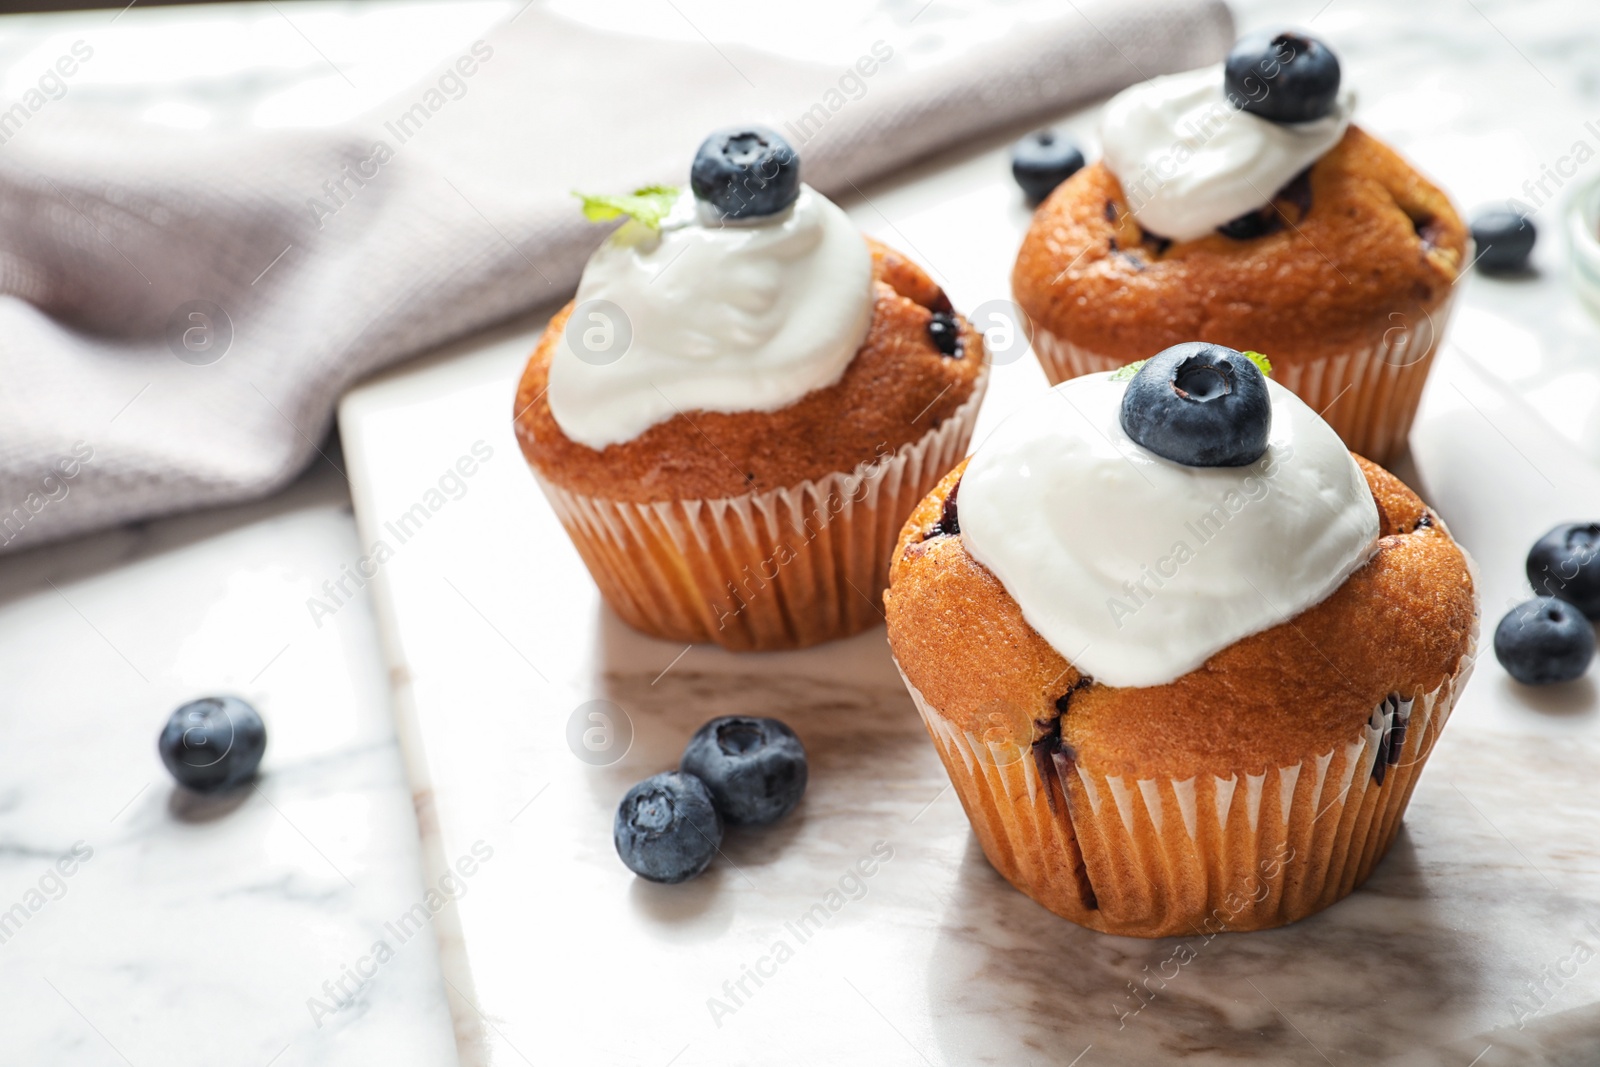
x: 1263, y: 364
x: 1124, y: 373
x: 647, y: 206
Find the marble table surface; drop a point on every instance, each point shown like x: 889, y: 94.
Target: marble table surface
x: 190, y: 934
x: 439, y: 699
x: 1470, y: 945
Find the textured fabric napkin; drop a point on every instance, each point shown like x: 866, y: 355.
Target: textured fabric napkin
x: 179, y: 312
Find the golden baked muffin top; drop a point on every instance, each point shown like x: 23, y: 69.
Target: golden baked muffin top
x: 898, y: 388
x: 1359, y: 234
x: 1400, y: 624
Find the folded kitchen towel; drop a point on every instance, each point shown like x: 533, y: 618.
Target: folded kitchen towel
x: 180, y: 311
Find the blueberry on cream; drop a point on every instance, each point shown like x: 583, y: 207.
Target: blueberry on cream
x: 1199, y: 404
x: 744, y: 294
x: 1282, y: 77
x: 745, y: 172
x: 1196, y: 151
x: 1217, y: 514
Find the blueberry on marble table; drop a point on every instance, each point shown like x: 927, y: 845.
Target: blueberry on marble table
x: 213, y: 744
x: 1544, y: 641
x: 1505, y: 240
x: 1043, y: 160
x: 755, y: 768
x: 667, y: 829
x: 1565, y: 563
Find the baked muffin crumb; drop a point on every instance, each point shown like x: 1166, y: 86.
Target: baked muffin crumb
x: 1400, y: 624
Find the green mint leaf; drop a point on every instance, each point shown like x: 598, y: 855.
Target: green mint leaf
x: 1263, y: 364
x: 1124, y: 373
x: 648, y: 206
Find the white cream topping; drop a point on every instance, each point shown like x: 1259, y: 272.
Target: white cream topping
x: 1189, y: 161
x: 724, y: 317
x: 1138, y: 569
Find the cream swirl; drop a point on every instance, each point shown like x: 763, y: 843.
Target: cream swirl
x: 723, y: 317
x: 1189, y: 161
x: 1138, y: 569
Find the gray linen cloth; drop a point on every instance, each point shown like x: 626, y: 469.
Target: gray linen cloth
x: 180, y: 311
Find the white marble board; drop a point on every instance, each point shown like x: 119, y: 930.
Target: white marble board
x: 1479, y: 919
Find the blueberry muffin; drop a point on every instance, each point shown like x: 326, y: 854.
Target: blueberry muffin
x: 1182, y: 654
x: 1239, y: 205
x: 742, y: 404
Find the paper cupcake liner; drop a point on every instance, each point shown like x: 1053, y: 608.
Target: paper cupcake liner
x: 781, y: 569
x: 1368, y: 395
x: 1155, y: 857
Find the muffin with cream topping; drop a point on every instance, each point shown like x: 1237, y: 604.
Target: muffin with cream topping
x: 1181, y: 653
x: 1238, y: 204
x: 742, y: 404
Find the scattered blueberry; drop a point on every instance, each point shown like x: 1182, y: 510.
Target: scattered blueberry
x: 945, y: 332
x: 745, y: 172
x: 1544, y: 641
x: 755, y: 768
x: 1505, y: 240
x: 1043, y: 160
x: 1201, y: 405
x: 212, y: 744
x: 1565, y: 563
x: 1282, y: 77
x: 666, y: 828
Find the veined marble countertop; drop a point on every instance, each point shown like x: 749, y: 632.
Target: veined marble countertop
x: 193, y: 932
x: 249, y: 933
x: 243, y: 931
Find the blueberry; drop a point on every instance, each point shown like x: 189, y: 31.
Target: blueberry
x: 1270, y: 217
x: 1043, y: 160
x: 1201, y: 405
x: 1565, y: 563
x: 746, y: 172
x: 1505, y: 240
x: 949, y: 524
x: 1282, y: 77
x: 1544, y: 641
x: 212, y: 744
x: 945, y: 333
x: 666, y: 828
x: 1253, y: 224
x: 755, y: 768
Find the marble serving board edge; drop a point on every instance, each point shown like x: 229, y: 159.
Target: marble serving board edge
x: 495, y: 628
x: 496, y: 637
